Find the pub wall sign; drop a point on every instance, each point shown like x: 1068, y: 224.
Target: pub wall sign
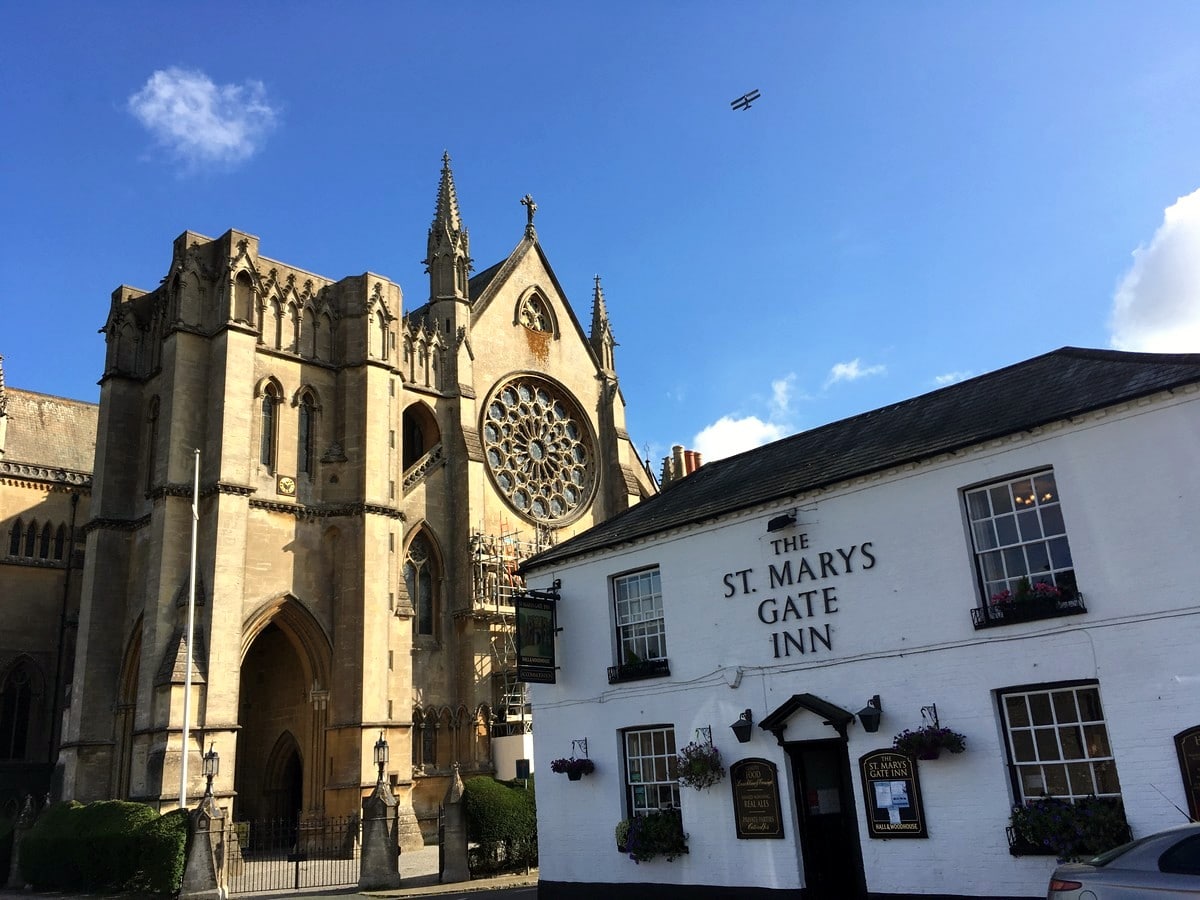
x: 756, y: 809
x: 1187, y: 745
x: 892, y: 793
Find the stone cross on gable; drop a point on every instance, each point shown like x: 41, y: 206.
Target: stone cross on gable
x: 530, y: 209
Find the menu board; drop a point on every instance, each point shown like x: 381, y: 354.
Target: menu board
x: 756, y: 809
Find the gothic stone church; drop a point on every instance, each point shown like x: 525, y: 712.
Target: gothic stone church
x: 369, y: 482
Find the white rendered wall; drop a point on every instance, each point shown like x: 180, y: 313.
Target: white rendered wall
x: 507, y: 750
x: 1128, y: 483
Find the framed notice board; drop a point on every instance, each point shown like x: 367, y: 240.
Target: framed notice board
x: 892, y: 793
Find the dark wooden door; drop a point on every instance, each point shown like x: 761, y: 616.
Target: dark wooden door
x: 828, y: 822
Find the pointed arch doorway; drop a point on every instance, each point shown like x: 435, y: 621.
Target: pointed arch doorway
x: 281, y: 713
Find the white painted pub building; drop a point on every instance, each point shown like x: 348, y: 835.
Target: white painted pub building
x: 1014, y: 556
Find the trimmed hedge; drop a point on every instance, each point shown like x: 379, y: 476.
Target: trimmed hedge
x: 161, y: 844
x: 111, y: 845
x: 502, y: 820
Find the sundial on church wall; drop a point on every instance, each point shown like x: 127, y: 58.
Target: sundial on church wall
x: 539, y: 450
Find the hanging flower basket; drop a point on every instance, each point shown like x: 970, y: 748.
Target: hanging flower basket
x: 699, y: 765
x: 574, y: 768
x: 928, y: 741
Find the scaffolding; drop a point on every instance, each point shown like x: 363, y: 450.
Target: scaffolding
x: 495, y: 582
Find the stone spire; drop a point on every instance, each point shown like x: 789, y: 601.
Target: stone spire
x: 601, y: 337
x: 448, y: 258
x: 3, y: 408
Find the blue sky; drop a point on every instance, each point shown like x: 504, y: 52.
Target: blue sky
x: 924, y: 191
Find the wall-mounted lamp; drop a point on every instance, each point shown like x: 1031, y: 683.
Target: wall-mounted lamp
x: 742, y: 728
x: 870, y: 714
x: 779, y: 523
x: 929, y: 714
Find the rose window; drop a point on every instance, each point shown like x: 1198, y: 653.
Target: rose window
x: 539, y: 450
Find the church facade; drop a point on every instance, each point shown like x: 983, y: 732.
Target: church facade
x: 369, y: 481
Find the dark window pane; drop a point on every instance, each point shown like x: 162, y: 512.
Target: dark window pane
x: 1018, y: 715
x: 1080, y: 775
x: 1023, y: 747
x: 1071, y: 741
x: 1060, y: 553
x: 1014, y: 562
x: 1052, y: 520
x: 1006, y: 530
x: 1047, y: 746
x: 1038, y: 558
x: 1001, y: 501
x: 1064, y: 706
x: 1031, y: 528
x: 1106, y: 778
x: 1056, y: 780
x: 1022, y: 493
x: 1045, y: 488
x: 977, y: 505
x: 1096, y: 740
x: 1089, y: 705
x: 1039, y: 705
x: 985, y: 535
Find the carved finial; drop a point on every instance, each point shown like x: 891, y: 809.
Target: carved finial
x: 445, y: 159
x: 3, y: 393
x: 530, y: 209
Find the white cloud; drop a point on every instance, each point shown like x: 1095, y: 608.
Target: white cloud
x: 951, y: 378
x: 728, y: 436
x: 1156, y: 306
x: 201, y: 122
x: 781, y: 396
x: 852, y: 371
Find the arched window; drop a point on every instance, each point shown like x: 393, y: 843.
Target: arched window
x: 266, y: 452
x: 60, y: 541
x: 151, y: 442
x: 419, y: 578
x: 30, y: 538
x: 16, y: 701
x: 380, y: 335
x: 243, y: 297
x: 44, y: 546
x: 304, y: 436
x: 14, y: 540
x: 418, y: 725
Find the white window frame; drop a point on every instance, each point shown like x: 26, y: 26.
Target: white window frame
x: 651, y: 774
x: 1018, y: 531
x: 1057, y: 742
x: 638, y: 606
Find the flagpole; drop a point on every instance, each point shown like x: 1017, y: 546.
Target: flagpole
x: 191, y: 620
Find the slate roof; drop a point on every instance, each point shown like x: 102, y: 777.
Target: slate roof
x: 1047, y: 388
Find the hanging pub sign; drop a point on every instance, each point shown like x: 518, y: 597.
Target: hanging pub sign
x: 893, y: 795
x: 1187, y: 745
x: 756, y: 809
x: 535, y: 635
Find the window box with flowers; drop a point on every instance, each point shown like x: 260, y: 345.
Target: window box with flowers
x: 1051, y: 826
x: 657, y: 833
x: 574, y: 768
x: 1028, y: 603
x: 699, y: 765
x: 928, y: 741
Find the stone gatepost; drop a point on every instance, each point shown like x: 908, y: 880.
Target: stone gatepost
x: 454, y: 834
x: 380, y: 864
x: 204, y: 869
x: 24, y: 822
